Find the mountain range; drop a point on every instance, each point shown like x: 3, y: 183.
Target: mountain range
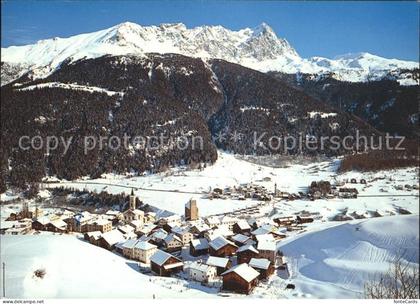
x: 258, y: 48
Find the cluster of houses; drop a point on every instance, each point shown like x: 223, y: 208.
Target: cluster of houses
x: 235, y: 254
x: 242, y: 192
x: 324, y: 189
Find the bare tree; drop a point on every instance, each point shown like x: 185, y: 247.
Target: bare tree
x: 401, y: 281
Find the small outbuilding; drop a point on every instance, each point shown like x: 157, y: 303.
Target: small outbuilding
x: 246, y: 253
x: 241, y: 279
x: 221, y: 247
x: 263, y: 266
x: 199, y: 247
x: 165, y: 264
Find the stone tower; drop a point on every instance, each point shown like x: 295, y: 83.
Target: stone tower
x: 25, y: 210
x: 132, y: 200
x: 191, y: 210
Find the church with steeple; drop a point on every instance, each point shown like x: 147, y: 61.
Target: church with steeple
x: 132, y: 213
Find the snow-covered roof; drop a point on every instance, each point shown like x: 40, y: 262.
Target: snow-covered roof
x: 171, y: 237
x: 266, y: 245
x: 218, y: 262
x: 160, y: 234
x: 7, y: 224
x: 247, y: 247
x: 244, y: 271
x: 113, y: 212
x: 83, y: 216
x: 198, y: 266
x: 136, y: 223
x: 265, y: 238
x: 173, y: 265
x: 179, y: 230
x: 101, y: 221
x: 144, y: 246
x: 129, y: 244
x: 200, y: 244
x: 261, y: 230
x: 219, y: 242
x: 202, y: 227
x: 60, y: 224
x: 126, y: 228
x: 243, y: 225
x: 227, y: 219
x: 222, y: 230
x: 112, y: 237
x: 43, y: 220
x: 95, y: 234
x: 147, y: 228
x: 160, y: 257
x: 240, y: 238
x: 259, y: 263
x: 213, y: 220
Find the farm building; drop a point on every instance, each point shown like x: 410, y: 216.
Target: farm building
x: 240, y: 239
x: 267, y: 250
x: 246, y: 253
x: 56, y: 226
x: 241, y: 279
x: 241, y: 227
x: 199, y: 247
x: 199, y: 230
x: 93, y: 237
x: 221, y: 247
x: 40, y: 223
x: 172, y: 243
x: 109, y: 239
x: 263, y: 266
x: 221, y: 264
x: 165, y: 264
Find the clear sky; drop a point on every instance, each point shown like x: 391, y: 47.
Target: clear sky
x: 389, y: 29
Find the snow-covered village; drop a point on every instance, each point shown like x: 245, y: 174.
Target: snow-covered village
x: 164, y: 151
x: 234, y: 229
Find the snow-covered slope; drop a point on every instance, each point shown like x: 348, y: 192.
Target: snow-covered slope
x: 76, y: 269
x: 258, y: 48
x: 336, y: 262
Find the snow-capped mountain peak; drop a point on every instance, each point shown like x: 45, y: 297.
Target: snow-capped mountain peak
x: 258, y: 48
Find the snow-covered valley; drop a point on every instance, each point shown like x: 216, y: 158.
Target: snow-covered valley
x: 172, y: 189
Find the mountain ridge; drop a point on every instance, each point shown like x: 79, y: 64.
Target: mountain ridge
x: 258, y: 48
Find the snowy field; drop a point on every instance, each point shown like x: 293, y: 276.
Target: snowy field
x: 76, y: 269
x: 231, y: 171
x: 336, y: 262
x: 332, y: 260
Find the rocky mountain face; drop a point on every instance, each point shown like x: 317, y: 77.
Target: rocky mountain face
x: 257, y: 48
x: 385, y: 104
x: 174, y: 95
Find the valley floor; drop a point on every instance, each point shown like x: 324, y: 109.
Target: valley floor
x: 171, y: 190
